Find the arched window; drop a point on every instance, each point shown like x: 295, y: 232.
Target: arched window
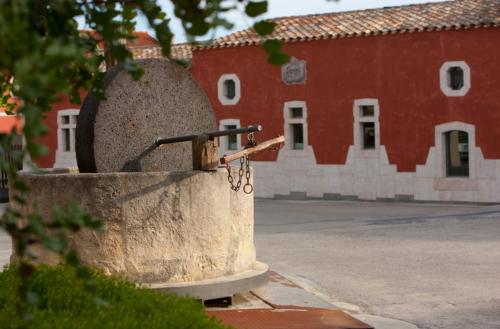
x: 457, y: 153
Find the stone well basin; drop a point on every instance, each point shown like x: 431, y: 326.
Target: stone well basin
x: 160, y: 228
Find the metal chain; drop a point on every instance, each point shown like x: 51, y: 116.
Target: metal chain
x: 235, y: 187
x: 244, y: 167
x: 247, y: 188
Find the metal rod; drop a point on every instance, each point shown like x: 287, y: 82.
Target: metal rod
x: 160, y: 141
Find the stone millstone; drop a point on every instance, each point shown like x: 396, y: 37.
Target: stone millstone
x: 118, y: 134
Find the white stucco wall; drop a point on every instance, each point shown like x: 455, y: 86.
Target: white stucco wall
x: 367, y: 174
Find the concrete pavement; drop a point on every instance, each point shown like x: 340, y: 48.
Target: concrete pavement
x: 431, y: 265
x: 391, y: 265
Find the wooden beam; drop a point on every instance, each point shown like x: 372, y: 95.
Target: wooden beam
x: 260, y: 147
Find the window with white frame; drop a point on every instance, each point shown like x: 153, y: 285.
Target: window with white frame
x: 457, y: 153
x: 454, y: 78
x: 366, y: 124
x: 66, y: 130
x: 231, y: 142
x: 229, y: 89
x: 295, y: 115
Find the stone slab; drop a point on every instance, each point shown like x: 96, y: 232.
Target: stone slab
x: 224, y: 286
x: 117, y: 134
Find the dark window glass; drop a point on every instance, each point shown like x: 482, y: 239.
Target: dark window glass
x: 229, y: 89
x: 368, y: 129
x: 456, y: 77
x: 296, y: 112
x: 298, y: 136
x: 232, y: 140
x: 66, y: 140
x: 457, y: 153
x: 65, y: 119
x: 367, y: 110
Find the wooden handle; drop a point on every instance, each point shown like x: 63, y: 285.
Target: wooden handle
x: 260, y: 147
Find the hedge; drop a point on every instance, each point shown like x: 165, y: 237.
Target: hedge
x: 62, y: 300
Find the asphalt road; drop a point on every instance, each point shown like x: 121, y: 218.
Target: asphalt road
x: 433, y: 265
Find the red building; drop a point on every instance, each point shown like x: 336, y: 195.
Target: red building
x: 392, y: 103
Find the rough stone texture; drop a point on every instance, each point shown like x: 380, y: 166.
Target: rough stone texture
x: 295, y: 72
x: 159, y: 227
x: 117, y: 134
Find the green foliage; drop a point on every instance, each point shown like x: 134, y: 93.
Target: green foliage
x: 254, y: 9
x: 43, y: 57
x: 62, y: 301
x: 264, y: 28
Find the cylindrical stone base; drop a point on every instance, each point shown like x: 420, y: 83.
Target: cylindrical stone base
x: 159, y: 227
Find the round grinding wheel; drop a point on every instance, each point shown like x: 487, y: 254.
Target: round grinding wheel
x: 118, y: 134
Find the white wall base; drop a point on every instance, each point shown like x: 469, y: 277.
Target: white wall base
x: 65, y: 160
x: 367, y: 174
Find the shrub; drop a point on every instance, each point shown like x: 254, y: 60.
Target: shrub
x: 62, y: 300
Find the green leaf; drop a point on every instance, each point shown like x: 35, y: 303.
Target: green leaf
x: 84, y: 273
x: 100, y: 302
x: 72, y: 258
x: 272, y: 46
x: 55, y: 244
x: 254, y: 9
x: 264, y: 28
x: 278, y: 59
x: 31, y: 297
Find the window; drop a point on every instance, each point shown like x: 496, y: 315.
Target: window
x: 231, y: 142
x: 66, y: 131
x: 228, y: 89
x: 455, y: 78
x: 295, y: 114
x: 367, y: 110
x: 366, y: 125
x: 457, y: 153
x: 368, y: 135
x: 298, y: 136
x: 67, y: 127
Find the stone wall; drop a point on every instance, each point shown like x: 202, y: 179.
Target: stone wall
x: 159, y: 226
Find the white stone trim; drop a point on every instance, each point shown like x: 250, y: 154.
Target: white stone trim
x: 444, y: 83
x: 66, y: 159
x: 358, y: 119
x: 369, y: 175
x: 288, y: 120
x: 223, y: 139
x: 237, y: 89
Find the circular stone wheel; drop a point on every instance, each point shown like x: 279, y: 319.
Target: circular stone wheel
x: 118, y: 133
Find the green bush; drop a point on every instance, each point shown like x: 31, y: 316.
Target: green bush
x: 64, y: 301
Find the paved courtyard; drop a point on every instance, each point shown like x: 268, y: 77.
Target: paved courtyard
x: 433, y: 265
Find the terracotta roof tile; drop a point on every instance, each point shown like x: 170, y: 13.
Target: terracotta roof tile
x: 145, y: 46
x: 180, y: 52
x: 458, y: 14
